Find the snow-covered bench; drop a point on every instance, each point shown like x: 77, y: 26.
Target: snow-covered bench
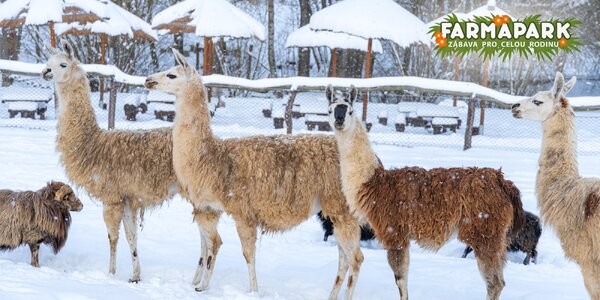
x: 278, y: 116
x: 164, y: 105
x: 26, y: 101
x: 382, y: 118
x: 441, y: 124
x: 400, y: 122
x: 320, y: 122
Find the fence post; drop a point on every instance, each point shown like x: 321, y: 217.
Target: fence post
x: 112, y: 103
x: 469, y: 128
x: 288, y: 112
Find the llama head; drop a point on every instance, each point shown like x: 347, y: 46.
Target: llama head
x: 61, y: 64
x: 543, y: 104
x: 174, y: 80
x: 62, y: 193
x: 340, y: 108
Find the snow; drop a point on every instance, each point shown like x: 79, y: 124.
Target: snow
x: 293, y: 265
x: 377, y: 19
x: 468, y: 89
x: 459, y: 15
x: 316, y: 118
x: 437, y: 111
x: 400, y: 119
x: 213, y: 18
x: 20, y: 93
x: 22, y: 106
x: 115, y: 20
x: 305, y: 37
x: 162, y: 106
x: 486, y: 11
x: 444, y: 121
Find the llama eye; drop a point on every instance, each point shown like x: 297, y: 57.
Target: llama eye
x: 63, y: 65
x: 536, y: 102
x: 350, y: 112
x: 171, y: 76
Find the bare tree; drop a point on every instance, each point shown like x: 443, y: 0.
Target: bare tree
x: 304, y: 53
x: 271, y: 38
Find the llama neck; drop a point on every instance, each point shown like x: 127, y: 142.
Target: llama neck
x: 358, y: 161
x: 76, y: 116
x: 558, y: 159
x: 193, y: 117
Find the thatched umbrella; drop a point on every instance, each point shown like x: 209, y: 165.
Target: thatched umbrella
x: 75, y: 17
x: 208, y: 19
x: 371, y: 19
x: 307, y: 38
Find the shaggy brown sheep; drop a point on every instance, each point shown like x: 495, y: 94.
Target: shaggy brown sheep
x: 37, y: 217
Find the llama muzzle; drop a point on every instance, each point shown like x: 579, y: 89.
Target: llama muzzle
x: 150, y: 84
x: 47, y: 74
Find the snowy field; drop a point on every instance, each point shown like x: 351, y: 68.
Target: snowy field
x: 293, y: 265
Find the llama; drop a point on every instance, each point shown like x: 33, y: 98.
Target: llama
x: 526, y: 239
x: 32, y: 218
x: 425, y: 206
x: 366, y: 233
x: 568, y: 202
x: 129, y: 171
x: 269, y: 182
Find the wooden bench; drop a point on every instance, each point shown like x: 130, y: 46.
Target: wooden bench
x: 441, y: 125
x: 319, y: 121
x: 26, y: 102
x: 382, y: 118
x: 400, y: 123
x: 164, y: 105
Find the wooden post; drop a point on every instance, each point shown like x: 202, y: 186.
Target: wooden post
x: 249, y: 63
x: 103, y: 41
x: 486, y: 65
x: 367, y: 75
x: 469, y: 128
x: 53, y: 43
x: 205, y: 57
x: 288, y: 112
x: 112, y: 103
x: 209, y: 61
x: 456, y: 76
x: 197, y: 56
x: 334, y: 62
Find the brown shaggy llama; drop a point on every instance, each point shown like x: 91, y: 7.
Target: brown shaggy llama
x: 269, y: 182
x: 38, y: 217
x: 129, y: 171
x: 425, y: 206
x: 567, y: 201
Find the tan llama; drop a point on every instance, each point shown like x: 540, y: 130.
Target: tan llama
x: 568, y: 202
x: 425, y: 206
x: 128, y: 171
x: 272, y: 183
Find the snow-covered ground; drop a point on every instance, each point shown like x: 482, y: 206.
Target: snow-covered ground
x: 293, y: 265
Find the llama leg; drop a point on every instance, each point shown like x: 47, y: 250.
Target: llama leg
x: 113, y: 214
x: 247, y: 235
x: 347, y: 235
x: 204, y: 249
x: 208, y: 221
x: 490, y: 266
x: 343, y: 266
x: 467, y: 251
x: 35, y: 252
x: 527, y: 259
x: 534, y: 256
x: 130, y: 224
x: 398, y: 260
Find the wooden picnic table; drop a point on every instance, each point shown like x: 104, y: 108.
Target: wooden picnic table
x: 26, y: 101
x: 422, y: 114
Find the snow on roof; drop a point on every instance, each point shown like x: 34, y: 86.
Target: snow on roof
x: 114, y: 20
x: 377, y: 19
x: 211, y: 18
x: 459, y: 15
x: 305, y: 37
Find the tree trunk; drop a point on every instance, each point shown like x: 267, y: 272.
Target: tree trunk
x: 469, y: 128
x: 304, y: 53
x: 271, y: 38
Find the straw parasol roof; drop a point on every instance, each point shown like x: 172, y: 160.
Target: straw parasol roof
x: 306, y: 37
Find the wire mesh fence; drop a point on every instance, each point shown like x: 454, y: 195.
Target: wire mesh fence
x: 396, y: 118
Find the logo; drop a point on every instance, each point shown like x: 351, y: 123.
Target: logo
x: 500, y: 35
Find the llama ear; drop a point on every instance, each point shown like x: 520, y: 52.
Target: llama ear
x: 353, y: 94
x: 557, y: 88
x: 51, y: 49
x: 569, y: 85
x: 180, y: 59
x: 329, y: 92
x: 66, y: 46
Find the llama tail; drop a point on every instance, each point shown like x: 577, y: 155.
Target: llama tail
x: 514, y: 195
